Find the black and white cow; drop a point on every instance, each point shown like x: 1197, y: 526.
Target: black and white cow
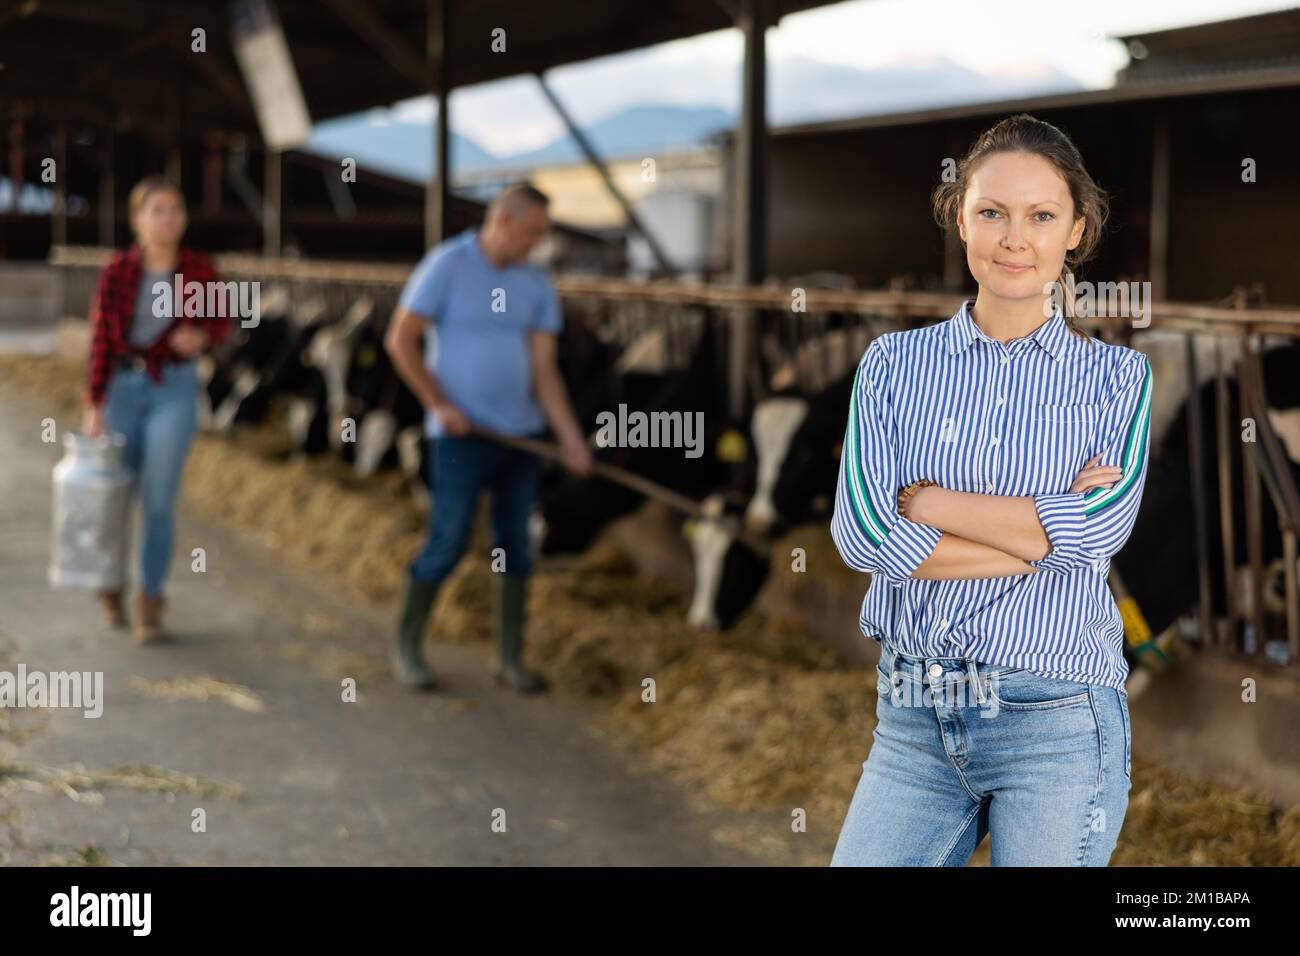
x: 264, y: 362
x: 575, y: 509
x: 728, y: 572
x: 235, y: 368
x: 1167, y: 352
x: 1158, y: 562
x: 796, y: 444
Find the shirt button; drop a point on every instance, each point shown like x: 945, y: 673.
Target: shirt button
x: 994, y: 441
x: 1001, y: 399
x: 1006, y: 359
x: 944, y: 624
x: 936, y: 670
x: 988, y: 487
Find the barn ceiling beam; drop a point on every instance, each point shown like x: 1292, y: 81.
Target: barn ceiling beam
x: 383, y: 39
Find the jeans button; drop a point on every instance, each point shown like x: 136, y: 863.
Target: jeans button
x: 936, y: 670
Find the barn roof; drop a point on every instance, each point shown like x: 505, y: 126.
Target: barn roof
x: 1248, y: 53
x: 96, y: 62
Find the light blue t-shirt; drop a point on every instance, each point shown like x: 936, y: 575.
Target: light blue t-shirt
x: 477, y: 341
x: 145, y: 326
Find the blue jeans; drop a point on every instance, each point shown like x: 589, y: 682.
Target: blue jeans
x: 962, y: 749
x: 463, y: 467
x: 158, y: 421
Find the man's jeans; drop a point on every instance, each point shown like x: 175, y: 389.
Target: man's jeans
x: 963, y: 748
x: 158, y: 421
x: 462, y: 467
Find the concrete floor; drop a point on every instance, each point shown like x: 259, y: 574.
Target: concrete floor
x: 395, y: 779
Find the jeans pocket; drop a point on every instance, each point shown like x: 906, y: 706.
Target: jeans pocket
x: 1024, y: 690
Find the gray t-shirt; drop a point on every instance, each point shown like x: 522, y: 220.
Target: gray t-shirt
x: 146, y: 327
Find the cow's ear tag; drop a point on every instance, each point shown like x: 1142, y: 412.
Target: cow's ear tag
x: 366, y: 356
x: 732, y: 446
x: 688, y: 528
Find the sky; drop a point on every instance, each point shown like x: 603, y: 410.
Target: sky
x: 1019, y: 38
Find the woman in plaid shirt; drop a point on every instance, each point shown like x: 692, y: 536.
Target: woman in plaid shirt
x: 143, y: 381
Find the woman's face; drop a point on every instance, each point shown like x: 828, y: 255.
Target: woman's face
x: 1016, y: 220
x: 160, y: 219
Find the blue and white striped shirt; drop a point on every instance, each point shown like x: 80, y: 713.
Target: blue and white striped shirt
x: 1021, y: 418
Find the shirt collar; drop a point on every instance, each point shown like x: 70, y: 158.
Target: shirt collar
x: 1050, y: 336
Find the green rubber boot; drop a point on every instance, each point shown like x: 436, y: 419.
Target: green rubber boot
x: 408, y: 662
x: 511, y: 673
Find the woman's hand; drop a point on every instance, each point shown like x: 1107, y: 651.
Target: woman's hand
x: 910, y: 507
x: 92, y: 422
x: 1096, y: 476
x: 188, y: 341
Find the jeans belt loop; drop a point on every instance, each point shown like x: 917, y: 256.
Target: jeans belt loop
x: 975, y: 678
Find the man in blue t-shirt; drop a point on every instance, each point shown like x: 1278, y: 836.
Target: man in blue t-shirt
x: 490, y: 321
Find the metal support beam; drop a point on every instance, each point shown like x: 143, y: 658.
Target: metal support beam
x: 1158, y: 250
x: 172, y: 150
x: 589, y: 151
x: 749, y: 258
x: 59, y: 211
x: 212, y: 158
x: 1251, y: 493
x: 1201, y: 528
x: 749, y: 194
x: 437, y: 195
x: 954, y: 253
x: 107, y: 190
x: 271, y: 206
x: 383, y: 39
x: 17, y: 151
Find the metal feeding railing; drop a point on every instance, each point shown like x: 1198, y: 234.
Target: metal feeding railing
x: 781, y: 337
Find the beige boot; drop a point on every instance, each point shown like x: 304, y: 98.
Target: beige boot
x: 148, y: 618
x: 114, y: 609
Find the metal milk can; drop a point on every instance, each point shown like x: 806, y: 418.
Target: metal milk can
x: 92, y: 494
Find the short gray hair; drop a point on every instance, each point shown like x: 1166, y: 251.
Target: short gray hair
x: 516, y: 198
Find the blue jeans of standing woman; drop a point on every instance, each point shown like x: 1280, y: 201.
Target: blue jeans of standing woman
x: 963, y: 749
x: 158, y: 421
x: 462, y: 468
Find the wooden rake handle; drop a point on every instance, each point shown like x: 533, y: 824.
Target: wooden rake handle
x: 621, y: 476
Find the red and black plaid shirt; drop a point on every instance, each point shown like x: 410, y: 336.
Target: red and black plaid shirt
x: 113, y: 309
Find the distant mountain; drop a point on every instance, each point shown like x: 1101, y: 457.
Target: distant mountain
x: 401, y: 149
x: 800, y: 90
x: 631, y: 132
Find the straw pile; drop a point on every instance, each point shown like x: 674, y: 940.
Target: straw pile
x: 757, y: 719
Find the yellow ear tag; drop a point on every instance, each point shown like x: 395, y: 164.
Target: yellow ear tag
x: 732, y: 446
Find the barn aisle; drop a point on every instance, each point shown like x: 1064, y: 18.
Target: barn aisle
x: 242, y: 717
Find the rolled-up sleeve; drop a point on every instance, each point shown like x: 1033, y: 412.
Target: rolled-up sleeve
x: 1084, y: 527
x: 868, y: 531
